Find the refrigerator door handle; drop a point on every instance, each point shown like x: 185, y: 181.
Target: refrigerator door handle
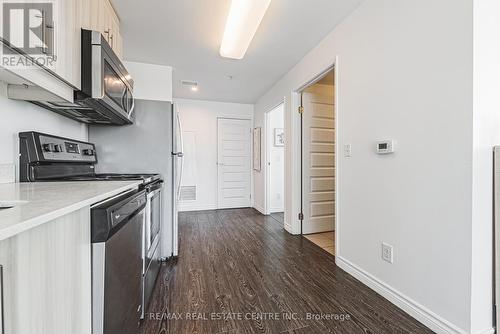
x: 180, y: 153
x: 179, y: 126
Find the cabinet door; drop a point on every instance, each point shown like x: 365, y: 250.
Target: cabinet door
x: 15, y: 11
x: 50, y: 41
x: 93, y: 22
x: 5, y: 267
x: 67, y: 41
x: 114, y: 25
x: 104, y: 19
x: 119, y: 46
x: 48, y: 277
x: 115, y: 31
x: 110, y: 25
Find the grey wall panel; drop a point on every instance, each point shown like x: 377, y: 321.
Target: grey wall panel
x: 144, y: 147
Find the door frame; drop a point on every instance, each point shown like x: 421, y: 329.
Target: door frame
x: 250, y: 171
x: 267, y: 154
x: 297, y: 145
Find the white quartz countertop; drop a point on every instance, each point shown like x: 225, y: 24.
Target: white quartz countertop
x: 46, y: 201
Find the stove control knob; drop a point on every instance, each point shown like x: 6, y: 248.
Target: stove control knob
x: 88, y: 151
x: 51, y: 147
x: 48, y: 147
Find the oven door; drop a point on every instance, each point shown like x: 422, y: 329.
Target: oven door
x: 151, y: 240
x: 153, y: 223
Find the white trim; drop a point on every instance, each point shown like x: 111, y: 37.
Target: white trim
x: 296, y: 144
x: 316, y: 78
x: 486, y: 331
x: 267, y: 178
x: 259, y: 208
x: 293, y: 135
x: 419, y: 312
x: 184, y: 207
x: 275, y: 210
x: 289, y: 229
x: 336, y: 218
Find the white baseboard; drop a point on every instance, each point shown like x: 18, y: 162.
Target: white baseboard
x: 419, y: 312
x: 259, y: 208
x: 290, y: 229
x: 274, y: 210
x: 486, y: 331
x: 185, y: 207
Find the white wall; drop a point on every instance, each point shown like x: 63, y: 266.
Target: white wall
x: 18, y: 116
x: 200, y: 118
x: 277, y: 161
x: 151, y: 82
x: 404, y: 73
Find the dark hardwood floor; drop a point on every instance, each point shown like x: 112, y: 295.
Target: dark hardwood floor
x: 239, y: 272
x: 279, y: 216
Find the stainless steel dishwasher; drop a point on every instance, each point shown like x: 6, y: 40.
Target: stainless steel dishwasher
x: 117, y: 226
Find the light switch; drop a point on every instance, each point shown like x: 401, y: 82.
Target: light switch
x: 347, y: 150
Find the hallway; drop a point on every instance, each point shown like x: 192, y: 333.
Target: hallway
x: 239, y: 272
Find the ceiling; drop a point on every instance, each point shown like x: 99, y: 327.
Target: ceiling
x: 186, y: 34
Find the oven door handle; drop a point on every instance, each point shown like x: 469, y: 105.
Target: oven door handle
x: 154, y: 193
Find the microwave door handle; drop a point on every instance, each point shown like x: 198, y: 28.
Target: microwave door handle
x: 133, y: 105
x: 124, y: 95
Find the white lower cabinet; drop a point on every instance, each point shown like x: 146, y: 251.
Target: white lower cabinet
x: 47, y: 277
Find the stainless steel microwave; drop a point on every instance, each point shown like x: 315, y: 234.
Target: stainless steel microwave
x: 106, y: 95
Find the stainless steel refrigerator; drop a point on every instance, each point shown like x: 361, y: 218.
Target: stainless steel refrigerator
x: 153, y: 144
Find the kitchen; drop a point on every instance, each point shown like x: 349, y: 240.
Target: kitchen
x: 134, y: 166
x: 77, y: 212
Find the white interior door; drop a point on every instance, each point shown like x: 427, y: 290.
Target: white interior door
x: 318, y: 159
x: 234, y: 163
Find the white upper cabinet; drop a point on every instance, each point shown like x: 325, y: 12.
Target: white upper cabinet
x: 49, y: 33
x: 101, y: 16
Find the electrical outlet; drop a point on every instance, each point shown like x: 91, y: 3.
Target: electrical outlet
x: 347, y: 150
x: 387, y: 253
x: 7, y: 173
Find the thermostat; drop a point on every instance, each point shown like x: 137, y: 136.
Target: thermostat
x: 385, y: 147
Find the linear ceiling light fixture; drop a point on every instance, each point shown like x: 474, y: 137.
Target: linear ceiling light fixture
x: 242, y: 22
